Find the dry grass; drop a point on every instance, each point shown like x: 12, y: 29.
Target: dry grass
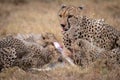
x: 66, y: 73
x: 30, y: 18
x: 41, y: 16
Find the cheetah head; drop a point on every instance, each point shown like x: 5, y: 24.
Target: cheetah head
x: 68, y: 15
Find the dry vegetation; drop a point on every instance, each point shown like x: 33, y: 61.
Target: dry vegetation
x: 68, y: 73
x: 39, y: 16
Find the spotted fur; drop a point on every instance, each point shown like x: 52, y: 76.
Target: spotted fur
x: 95, y: 34
x: 7, y: 57
x: 78, y: 26
x: 12, y: 42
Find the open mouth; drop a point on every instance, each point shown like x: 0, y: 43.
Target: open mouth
x: 64, y: 29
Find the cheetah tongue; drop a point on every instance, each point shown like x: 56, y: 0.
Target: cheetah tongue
x: 63, y: 29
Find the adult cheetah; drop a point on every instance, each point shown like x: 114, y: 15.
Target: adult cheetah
x: 77, y: 27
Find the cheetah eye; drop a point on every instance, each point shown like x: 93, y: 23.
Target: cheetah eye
x: 69, y: 16
x: 60, y: 16
x: 81, y: 7
x: 63, y: 6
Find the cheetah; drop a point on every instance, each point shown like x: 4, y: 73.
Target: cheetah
x: 10, y: 41
x: 77, y: 27
x: 36, y: 58
x: 7, y: 57
x: 39, y: 54
x: 84, y: 53
x: 111, y: 58
x: 31, y: 51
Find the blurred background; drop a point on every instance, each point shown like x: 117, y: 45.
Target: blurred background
x: 39, y: 16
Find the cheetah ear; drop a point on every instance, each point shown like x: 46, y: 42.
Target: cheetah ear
x: 63, y: 6
x: 81, y: 7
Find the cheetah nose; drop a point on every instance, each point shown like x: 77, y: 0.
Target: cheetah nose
x: 63, y: 25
